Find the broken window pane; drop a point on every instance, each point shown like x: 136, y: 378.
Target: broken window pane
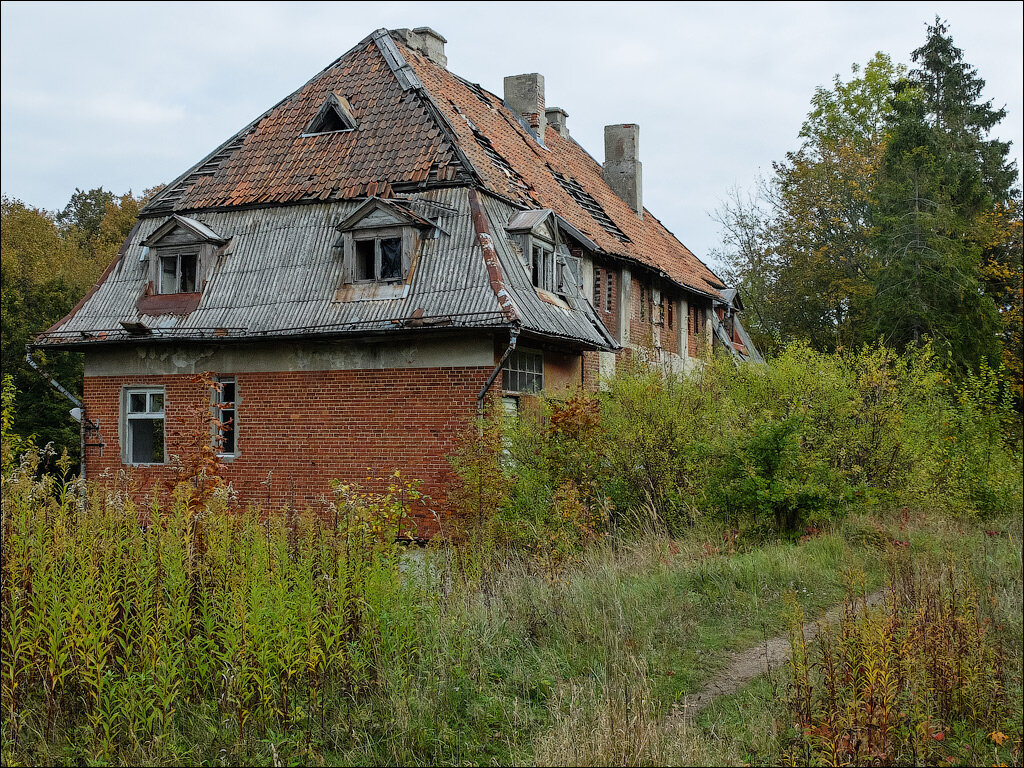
x: 187, y: 283
x: 147, y: 441
x: 226, y: 417
x: 366, y: 268
x: 391, y: 258
x: 137, y: 402
x: 156, y: 402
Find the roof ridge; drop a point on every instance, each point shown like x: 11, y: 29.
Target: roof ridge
x: 410, y: 81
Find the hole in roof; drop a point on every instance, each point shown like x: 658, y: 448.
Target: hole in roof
x: 335, y: 115
x: 586, y: 201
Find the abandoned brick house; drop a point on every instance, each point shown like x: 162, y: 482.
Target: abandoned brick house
x: 365, y: 263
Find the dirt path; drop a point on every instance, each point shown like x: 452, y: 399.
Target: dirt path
x: 747, y: 665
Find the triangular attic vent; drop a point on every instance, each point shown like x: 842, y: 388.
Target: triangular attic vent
x: 335, y: 115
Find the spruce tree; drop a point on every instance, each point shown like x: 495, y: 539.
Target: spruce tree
x: 940, y: 179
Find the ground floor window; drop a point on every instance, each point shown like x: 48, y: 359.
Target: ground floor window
x: 144, y: 425
x: 225, y: 399
x: 523, y: 371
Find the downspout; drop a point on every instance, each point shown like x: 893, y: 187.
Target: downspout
x: 82, y: 421
x: 512, y: 337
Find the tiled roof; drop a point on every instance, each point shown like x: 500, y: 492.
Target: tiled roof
x: 470, y: 110
x: 421, y: 126
x: 398, y: 144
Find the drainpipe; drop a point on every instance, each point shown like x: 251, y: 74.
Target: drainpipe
x: 82, y: 420
x: 512, y: 337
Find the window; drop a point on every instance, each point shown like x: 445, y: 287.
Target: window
x: 543, y: 265
x: 378, y: 258
x: 642, y: 301
x: 225, y: 403
x: 523, y: 371
x: 178, y: 273
x: 671, y: 304
x: 144, y: 426
x: 609, y: 285
x: 597, y: 288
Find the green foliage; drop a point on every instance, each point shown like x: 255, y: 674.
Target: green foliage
x: 769, y: 449
x: 48, y: 263
x: 920, y: 681
x: 12, y: 445
x: 897, y: 219
x: 130, y: 627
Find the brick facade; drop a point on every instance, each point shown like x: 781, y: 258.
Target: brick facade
x: 303, y: 429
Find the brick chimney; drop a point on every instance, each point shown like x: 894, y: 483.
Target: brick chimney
x: 622, y: 169
x: 524, y: 95
x: 424, y: 40
x: 556, y: 119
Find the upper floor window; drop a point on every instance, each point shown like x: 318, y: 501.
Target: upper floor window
x: 547, y: 260
x: 143, y: 410
x: 378, y: 243
x: 542, y: 265
x: 178, y: 273
x: 378, y: 256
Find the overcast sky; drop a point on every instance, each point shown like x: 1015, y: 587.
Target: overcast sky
x: 129, y: 95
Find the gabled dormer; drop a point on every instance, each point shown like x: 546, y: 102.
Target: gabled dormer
x: 545, y: 256
x: 379, y: 244
x: 180, y: 255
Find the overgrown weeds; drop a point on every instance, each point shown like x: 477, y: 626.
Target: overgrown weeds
x: 920, y: 681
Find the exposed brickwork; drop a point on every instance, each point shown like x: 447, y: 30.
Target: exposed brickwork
x: 306, y: 428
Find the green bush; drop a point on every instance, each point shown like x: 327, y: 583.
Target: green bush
x: 772, y: 449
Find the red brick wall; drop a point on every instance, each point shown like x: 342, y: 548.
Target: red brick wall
x: 306, y: 428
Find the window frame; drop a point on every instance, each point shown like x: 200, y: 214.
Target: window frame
x: 176, y: 254
x: 377, y: 236
x: 511, y: 373
x: 548, y: 268
x: 128, y: 418
x: 219, y: 411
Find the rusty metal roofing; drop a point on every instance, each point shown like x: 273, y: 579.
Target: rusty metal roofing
x: 282, y: 275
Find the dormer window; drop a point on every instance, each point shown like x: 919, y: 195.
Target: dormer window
x: 542, y: 265
x: 182, y: 254
x: 178, y: 273
x: 334, y: 116
x: 378, y: 246
x: 548, y: 262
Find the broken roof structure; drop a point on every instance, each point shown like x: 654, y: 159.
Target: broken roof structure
x: 409, y: 132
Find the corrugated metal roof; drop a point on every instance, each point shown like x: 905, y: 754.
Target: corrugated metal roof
x: 283, y: 272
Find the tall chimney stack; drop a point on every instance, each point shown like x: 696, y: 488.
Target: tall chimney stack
x: 524, y: 95
x: 622, y: 169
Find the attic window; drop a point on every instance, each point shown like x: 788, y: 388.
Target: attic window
x: 378, y: 257
x: 587, y: 202
x: 334, y: 116
x: 178, y: 273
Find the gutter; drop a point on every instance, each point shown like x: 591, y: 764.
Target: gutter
x: 82, y: 420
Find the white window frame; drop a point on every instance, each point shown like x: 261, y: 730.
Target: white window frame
x: 130, y: 417
x: 177, y: 255
x: 377, y: 236
x: 523, y: 363
x: 218, y: 404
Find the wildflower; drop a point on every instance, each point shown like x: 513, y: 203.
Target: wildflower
x: 998, y: 737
